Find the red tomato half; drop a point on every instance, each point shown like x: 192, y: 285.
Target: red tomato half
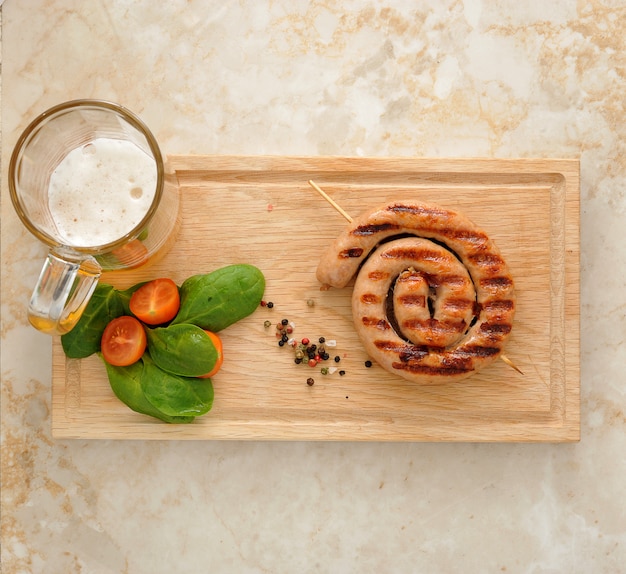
x: 156, y: 302
x: 123, y: 341
x: 217, y: 343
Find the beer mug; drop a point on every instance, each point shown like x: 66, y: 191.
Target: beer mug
x: 87, y: 178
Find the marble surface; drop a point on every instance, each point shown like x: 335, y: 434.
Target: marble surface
x: 448, y: 78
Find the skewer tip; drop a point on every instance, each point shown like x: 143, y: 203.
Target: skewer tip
x: 511, y: 364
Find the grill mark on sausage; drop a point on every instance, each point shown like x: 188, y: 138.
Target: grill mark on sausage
x: 487, y: 259
x: 381, y: 324
x: 475, y: 238
x: 459, y: 368
x: 351, y: 252
x: 455, y: 363
x: 370, y: 298
x: 496, y: 283
x: 459, y: 304
x: 478, y: 351
x: 374, y: 228
x: 409, y: 352
x: 499, y: 306
x: 439, y: 280
x: 495, y: 329
x: 418, y: 210
x: 435, y: 326
x: 412, y: 300
x: 378, y: 275
x: 413, y: 254
x: 410, y: 275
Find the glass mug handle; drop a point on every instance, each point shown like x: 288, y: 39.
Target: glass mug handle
x: 65, y: 285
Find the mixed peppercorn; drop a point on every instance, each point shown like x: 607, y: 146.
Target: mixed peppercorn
x: 307, y: 352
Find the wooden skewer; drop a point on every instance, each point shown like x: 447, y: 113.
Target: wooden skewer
x: 338, y: 208
x: 510, y: 363
x: 329, y: 200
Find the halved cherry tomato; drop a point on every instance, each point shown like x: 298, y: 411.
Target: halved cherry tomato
x: 156, y: 302
x: 217, y: 343
x: 123, y: 341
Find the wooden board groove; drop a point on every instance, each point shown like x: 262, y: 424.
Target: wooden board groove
x: 261, y: 210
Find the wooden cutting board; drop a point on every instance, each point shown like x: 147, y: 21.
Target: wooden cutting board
x: 261, y: 210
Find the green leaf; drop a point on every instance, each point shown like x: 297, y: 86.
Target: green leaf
x: 175, y: 395
x: 126, y: 384
x: 216, y: 300
x: 84, y: 339
x: 184, y: 350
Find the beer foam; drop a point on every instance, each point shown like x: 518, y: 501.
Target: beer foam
x: 101, y: 191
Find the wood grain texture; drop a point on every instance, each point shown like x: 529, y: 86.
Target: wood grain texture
x: 261, y: 210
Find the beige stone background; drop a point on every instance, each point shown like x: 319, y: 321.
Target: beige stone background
x: 451, y: 78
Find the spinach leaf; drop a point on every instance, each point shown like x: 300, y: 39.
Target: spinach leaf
x: 184, y: 350
x: 175, y: 395
x: 84, y: 339
x: 126, y: 384
x: 216, y: 300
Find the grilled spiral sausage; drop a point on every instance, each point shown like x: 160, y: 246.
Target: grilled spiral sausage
x: 434, y: 300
